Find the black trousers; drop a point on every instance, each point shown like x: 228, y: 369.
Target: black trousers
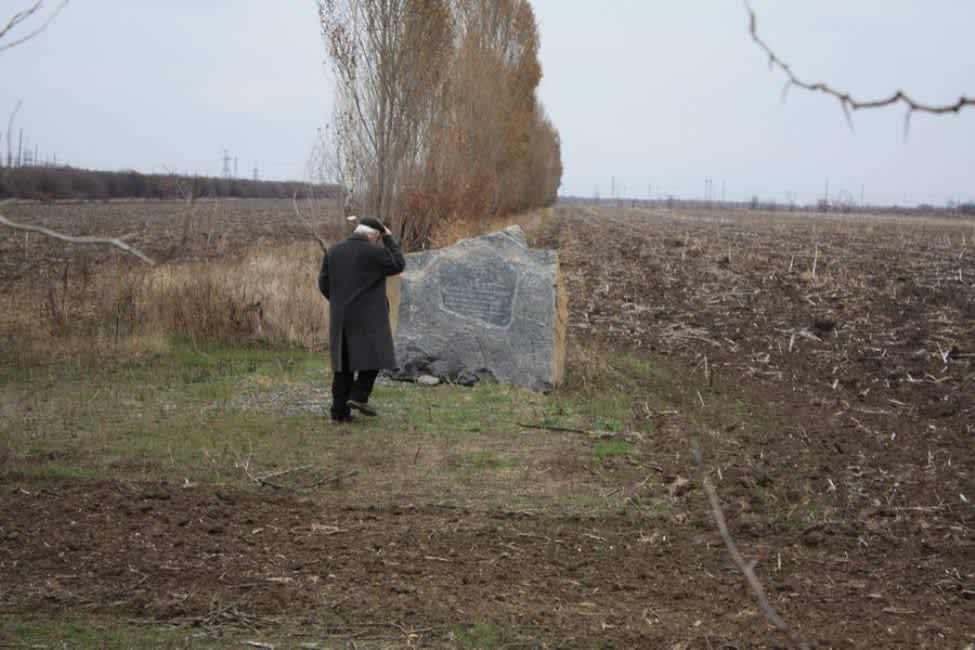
x: 350, y: 385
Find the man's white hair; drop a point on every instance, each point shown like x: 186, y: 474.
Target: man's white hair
x: 365, y: 230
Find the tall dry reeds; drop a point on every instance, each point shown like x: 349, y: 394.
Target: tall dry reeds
x: 267, y: 294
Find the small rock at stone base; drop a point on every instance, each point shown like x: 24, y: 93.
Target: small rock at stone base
x: 427, y: 380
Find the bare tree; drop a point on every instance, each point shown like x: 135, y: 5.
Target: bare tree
x: 389, y: 58
x: 437, y: 118
x: 10, y: 128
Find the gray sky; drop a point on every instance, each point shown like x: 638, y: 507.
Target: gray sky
x: 659, y: 95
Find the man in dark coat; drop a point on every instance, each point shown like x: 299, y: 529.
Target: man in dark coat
x: 353, y: 279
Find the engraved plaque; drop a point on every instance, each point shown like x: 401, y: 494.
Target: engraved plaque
x: 485, y: 292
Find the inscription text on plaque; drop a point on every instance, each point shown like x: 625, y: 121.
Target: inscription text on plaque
x: 486, y: 295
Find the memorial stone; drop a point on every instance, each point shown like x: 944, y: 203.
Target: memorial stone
x: 486, y: 309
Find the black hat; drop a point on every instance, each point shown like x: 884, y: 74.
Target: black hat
x: 373, y: 223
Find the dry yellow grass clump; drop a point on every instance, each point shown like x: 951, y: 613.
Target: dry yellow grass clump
x: 268, y: 293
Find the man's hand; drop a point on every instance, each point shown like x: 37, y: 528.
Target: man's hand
x: 387, y: 231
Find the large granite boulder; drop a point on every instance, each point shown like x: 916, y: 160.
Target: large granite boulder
x: 488, y: 308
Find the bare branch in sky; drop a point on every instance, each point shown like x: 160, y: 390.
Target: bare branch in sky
x: 21, y: 16
x: 846, y: 100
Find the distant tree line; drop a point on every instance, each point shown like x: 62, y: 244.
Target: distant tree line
x: 964, y: 209
x: 51, y: 183
x: 437, y: 116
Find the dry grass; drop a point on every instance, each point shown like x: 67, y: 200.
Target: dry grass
x: 266, y: 295
x: 269, y: 294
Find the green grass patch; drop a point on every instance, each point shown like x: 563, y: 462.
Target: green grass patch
x: 49, y: 471
x: 11, y: 374
x: 206, y: 412
x: 477, y: 461
x: 77, y: 634
x: 641, y: 368
x: 487, y: 635
x: 607, y: 448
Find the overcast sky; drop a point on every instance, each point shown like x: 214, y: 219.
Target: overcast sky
x: 654, y: 95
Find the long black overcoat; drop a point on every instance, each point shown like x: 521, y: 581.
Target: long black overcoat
x: 353, y: 279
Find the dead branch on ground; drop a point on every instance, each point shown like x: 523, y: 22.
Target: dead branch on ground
x: 587, y: 432
x: 747, y: 568
x: 846, y: 100
x: 117, y: 242
x: 337, y: 478
x: 324, y: 480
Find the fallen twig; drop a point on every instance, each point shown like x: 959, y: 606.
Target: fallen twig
x: 284, y: 472
x: 747, y: 568
x: 338, y: 477
x: 546, y: 427
x: 116, y: 242
x: 266, y: 479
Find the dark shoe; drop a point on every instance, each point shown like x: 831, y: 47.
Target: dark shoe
x: 362, y: 407
x: 348, y: 416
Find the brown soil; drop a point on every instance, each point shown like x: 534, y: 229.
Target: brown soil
x: 836, y: 415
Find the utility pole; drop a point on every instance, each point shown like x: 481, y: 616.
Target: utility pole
x: 235, y: 166
x: 20, y: 148
x: 861, y: 195
x: 226, y: 164
x: 827, y: 191
x: 256, y: 176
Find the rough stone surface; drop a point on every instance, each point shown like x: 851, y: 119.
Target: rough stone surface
x: 486, y: 309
